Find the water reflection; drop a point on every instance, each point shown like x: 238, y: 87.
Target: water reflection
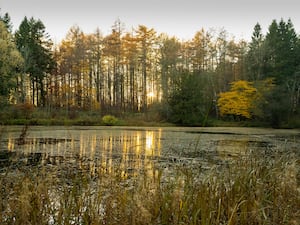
x: 230, y: 148
x: 129, y: 152
x: 11, y: 144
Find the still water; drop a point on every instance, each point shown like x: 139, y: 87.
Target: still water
x: 135, y: 150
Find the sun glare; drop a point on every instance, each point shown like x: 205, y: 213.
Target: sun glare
x: 150, y: 94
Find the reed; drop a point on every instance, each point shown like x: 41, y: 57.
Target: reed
x: 256, y: 188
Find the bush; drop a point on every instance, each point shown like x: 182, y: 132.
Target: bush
x: 23, y: 111
x: 109, y: 120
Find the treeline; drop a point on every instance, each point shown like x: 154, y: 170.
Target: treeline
x: 185, y: 82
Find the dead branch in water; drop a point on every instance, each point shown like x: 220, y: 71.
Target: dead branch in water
x: 22, y: 137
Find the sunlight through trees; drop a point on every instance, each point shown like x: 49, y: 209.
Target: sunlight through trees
x: 137, y: 70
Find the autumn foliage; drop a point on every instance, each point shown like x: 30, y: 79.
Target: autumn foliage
x: 239, y: 101
x: 132, y: 71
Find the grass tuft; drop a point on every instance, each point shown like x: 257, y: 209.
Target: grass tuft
x: 255, y: 189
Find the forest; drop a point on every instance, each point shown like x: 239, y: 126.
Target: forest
x: 196, y: 82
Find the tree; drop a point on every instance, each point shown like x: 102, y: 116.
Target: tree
x: 225, y: 61
x: 74, y: 68
x: 264, y: 89
x: 146, y: 38
x: 7, y: 22
x: 276, y: 106
x: 256, y: 55
x: 187, y: 103
x: 94, y: 56
x: 282, y: 63
x: 282, y: 46
x: 113, y: 52
x: 35, y: 46
x: 130, y: 50
x: 200, y: 46
x: 169, y: 51
x: 239, y: 100
x: 10, y: 63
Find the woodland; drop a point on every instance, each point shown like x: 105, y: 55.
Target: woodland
x: 209, y: 79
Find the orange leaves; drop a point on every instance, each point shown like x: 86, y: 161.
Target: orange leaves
x: 239, y: 101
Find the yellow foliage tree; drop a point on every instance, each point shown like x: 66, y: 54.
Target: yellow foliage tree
x: 239, y: 101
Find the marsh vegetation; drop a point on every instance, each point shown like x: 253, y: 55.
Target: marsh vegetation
x: 113, y: 175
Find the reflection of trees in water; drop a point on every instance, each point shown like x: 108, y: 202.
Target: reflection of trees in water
x: 129, y: 152
x: 231, y: 147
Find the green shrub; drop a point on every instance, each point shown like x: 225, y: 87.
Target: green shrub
x: 109, y: 120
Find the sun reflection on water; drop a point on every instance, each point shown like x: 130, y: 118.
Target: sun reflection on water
x: 10, y: 144
x: 128, y: 152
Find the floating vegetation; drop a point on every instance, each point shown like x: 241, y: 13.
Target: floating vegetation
x: 34, y: 141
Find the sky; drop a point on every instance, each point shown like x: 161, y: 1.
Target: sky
x: 180, y: 18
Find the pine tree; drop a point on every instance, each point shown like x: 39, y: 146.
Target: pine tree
x: 283, y: 63
x: 7, y: 21
x: 35, y: 46
x: 256, y: 54
x: 281, y: 47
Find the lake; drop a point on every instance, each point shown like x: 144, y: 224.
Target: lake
x: 135, y: 150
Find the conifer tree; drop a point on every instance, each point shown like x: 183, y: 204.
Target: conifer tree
x: 256, y: 54
x: 35, y: 46
x: 281, y: 46
x: 7, y: 21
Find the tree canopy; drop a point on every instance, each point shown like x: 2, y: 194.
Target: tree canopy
x: 35, y: 46
x: 128, y: 71
x: 10, y: 64
x: 189, y: 103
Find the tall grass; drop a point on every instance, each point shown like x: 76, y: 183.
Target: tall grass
x: 255, y: 189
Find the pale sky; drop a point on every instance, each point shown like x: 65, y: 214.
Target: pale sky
x: 182, y: 18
